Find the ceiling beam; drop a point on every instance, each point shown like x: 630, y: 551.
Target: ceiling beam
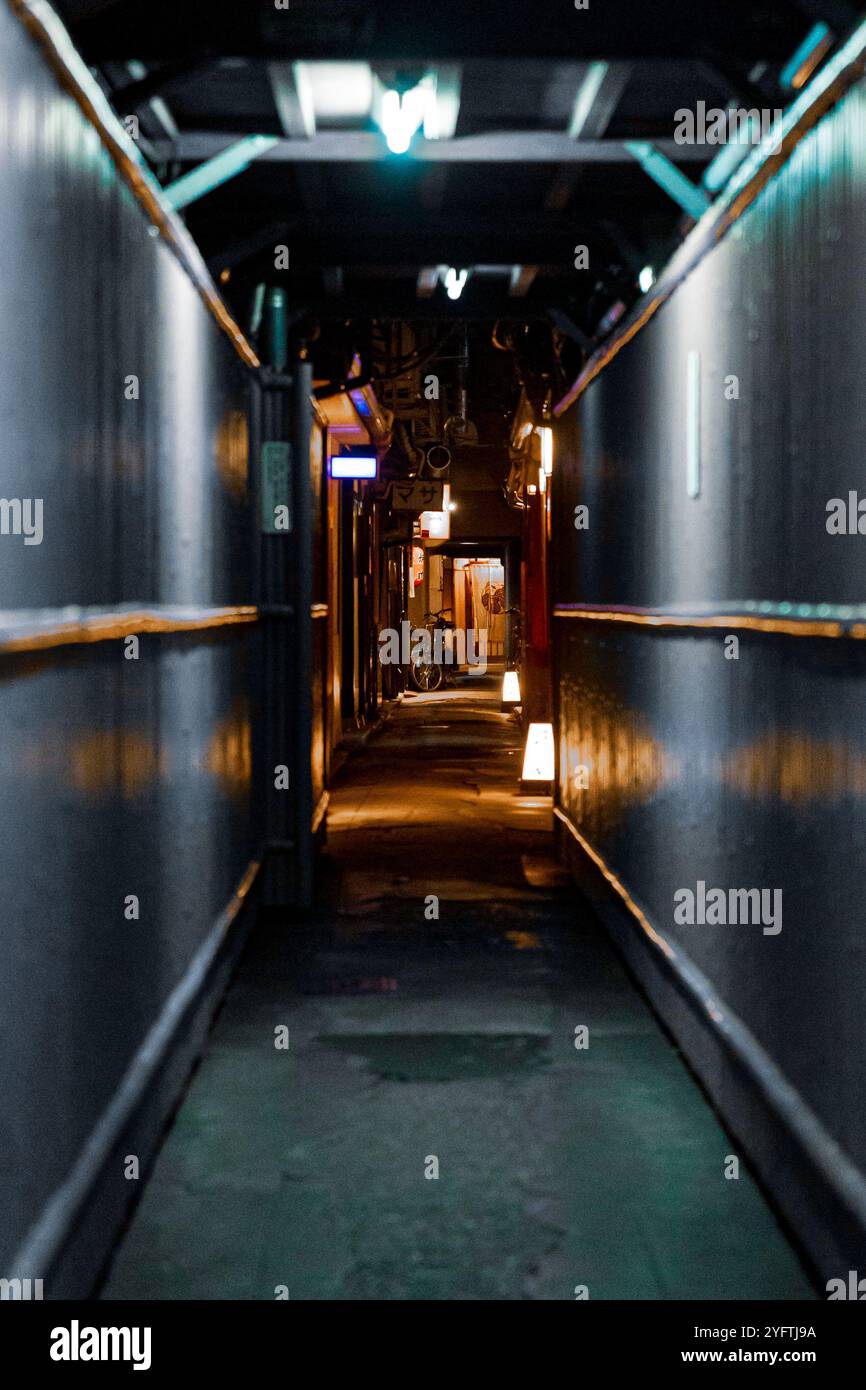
x: 292, y: 94
x: 595, y: 103
x: 156, y: 106
x: 441, y: 124
x: 213, y: 173
x: 597, y: 98
x: 361, y: 146
x: 293, y: 98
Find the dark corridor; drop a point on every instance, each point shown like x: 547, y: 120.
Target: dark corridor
x: 452, y: 1039
x: 432, y: 670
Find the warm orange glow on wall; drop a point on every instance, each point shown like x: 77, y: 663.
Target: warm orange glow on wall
x: 229, y: 755
x: 796, y: 769
x: 232, y: 452
x: 729, y: 622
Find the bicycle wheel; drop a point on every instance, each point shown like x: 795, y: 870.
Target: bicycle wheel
x: 426, y: 676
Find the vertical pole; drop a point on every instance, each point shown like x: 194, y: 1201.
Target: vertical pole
x: 302, y: 389
x: 347, y: 600
x: 276, y: 561
x: 261, y: 693
x: 280, y: 620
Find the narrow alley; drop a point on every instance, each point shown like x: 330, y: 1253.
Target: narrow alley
x: 309, y: 1168
x: 432, y: 673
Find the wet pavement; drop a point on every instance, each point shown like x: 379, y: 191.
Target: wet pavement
x: 431, y: 1130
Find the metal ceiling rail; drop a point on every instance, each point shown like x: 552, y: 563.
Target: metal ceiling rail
x: 367, y: 146
x: 825, y: 90
x: 50, y: 35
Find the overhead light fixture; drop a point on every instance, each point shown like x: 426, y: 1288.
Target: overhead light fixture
x: 538, y: 754
x: 646, y: 279
x: 510, y: 689
x: 546, y: 434
x: 401, y: 116
x: 455, y: 281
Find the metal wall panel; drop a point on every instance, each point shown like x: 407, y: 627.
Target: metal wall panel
x: 119, y: 776
x: 748, y: 772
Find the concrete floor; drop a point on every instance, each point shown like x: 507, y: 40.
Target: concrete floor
x: 414, y: 1039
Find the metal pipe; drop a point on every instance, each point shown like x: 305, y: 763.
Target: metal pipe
x: 302, y: 417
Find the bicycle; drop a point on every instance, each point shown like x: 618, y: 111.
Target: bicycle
x: 429, y: 676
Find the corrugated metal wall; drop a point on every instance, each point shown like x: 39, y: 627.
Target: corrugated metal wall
x: 747, y: 772
x: 120, y: 777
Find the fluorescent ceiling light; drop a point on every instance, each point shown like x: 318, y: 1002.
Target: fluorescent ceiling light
x: 401, y: 116
x: 455, y: 281
x: 339, y: 91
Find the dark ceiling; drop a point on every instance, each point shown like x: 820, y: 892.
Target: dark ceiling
x: 535, y: 98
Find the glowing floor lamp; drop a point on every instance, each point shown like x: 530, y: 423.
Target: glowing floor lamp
x: 538, y: 758
x: 510, y: 689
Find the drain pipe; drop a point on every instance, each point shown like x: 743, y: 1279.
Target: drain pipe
x: 276, y: 336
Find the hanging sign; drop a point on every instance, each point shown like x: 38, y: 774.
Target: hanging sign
x: 417, y: 497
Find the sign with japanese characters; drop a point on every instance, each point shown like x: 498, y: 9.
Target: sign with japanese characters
x: 417, y: 497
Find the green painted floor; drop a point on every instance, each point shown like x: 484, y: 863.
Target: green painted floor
x: 412, y: 1040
